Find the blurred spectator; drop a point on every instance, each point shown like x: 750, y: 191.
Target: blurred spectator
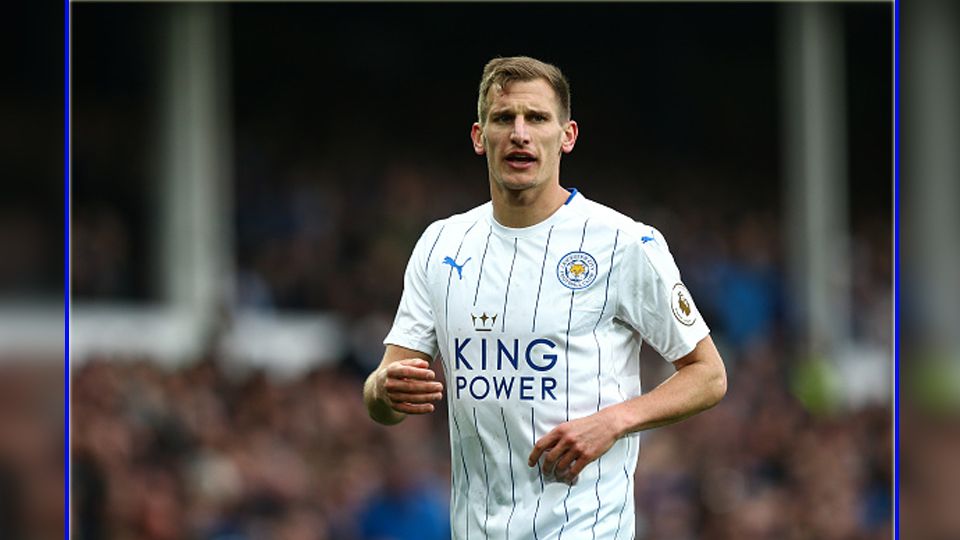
x: 410, y: 505
x: 31, y: 448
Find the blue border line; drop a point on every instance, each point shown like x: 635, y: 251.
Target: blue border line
x: 66, y: 269
x: 896, y: 269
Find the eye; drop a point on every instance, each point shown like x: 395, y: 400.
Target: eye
x: 501, y: 118
x: 538, y: 118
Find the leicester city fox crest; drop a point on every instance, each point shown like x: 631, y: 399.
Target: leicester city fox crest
x: 577, y: 270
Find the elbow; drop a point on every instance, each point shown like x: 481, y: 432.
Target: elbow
x: 713, y: 385
x: 718, y: 385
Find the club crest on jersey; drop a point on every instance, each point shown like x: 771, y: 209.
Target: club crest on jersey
x: 577, y: 270
x: 682, y: 305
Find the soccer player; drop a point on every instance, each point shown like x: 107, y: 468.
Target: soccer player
x: 538, y: 302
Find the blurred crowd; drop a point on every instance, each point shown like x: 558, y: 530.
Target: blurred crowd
x: 32, y: 447
x: 762, y: 466
x: 203, y: 453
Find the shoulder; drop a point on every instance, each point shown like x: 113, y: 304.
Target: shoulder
x: 640, y: 245
x: 456, y: 222
x: 467, y: 218
x: 631, y: 231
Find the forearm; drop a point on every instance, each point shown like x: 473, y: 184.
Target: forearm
x: 692, y: 389
x: 378, y: 406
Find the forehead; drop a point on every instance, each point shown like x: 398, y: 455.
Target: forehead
x: 535, y: 94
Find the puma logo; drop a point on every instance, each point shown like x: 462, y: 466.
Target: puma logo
x: 453, y: 264
x: 651, y: 238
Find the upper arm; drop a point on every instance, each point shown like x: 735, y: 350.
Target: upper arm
x: 394, y: 353
x: 652, y: 298
x: 413, y: 326
x: 705, y: 353
x: 712, y: 375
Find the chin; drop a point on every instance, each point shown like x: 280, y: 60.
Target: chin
x: 518, y: 184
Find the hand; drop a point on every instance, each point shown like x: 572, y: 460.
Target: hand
x: 408, y: 386
x: 571, y: 446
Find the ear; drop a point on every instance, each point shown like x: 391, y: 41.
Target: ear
x: 570, y: 132
x: 476, y: 135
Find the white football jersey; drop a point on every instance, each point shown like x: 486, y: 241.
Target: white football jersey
x: 537, y: 326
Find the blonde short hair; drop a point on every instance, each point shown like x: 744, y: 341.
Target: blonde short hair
x: 501, y: 71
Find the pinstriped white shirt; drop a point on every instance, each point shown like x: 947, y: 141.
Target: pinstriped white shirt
x: 537, y: 326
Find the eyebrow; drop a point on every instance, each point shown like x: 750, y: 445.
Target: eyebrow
x: 529, y: 111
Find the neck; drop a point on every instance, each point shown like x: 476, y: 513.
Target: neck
x: 518, y: 209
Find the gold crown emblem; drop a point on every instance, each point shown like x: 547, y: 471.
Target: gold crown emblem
x: 484, y: 322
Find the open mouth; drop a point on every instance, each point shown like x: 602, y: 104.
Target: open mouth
x: 521, y: 158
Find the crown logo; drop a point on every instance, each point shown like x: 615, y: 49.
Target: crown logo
x: 483, y: 323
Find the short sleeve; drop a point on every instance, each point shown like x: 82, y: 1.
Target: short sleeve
x: 413, y: 326
x: 652, y: 298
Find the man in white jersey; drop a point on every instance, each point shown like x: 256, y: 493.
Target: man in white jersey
x: 538, y: 302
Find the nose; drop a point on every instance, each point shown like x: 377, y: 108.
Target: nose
x: 519, y: 134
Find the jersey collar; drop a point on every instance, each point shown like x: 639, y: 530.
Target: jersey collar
x: 572, y: 201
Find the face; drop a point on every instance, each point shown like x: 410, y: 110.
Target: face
x: 523, y: 135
